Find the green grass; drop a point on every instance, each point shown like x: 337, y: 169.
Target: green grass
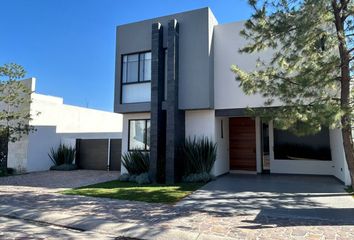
x: 154, y: 193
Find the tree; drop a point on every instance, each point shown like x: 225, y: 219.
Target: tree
x: 310, y: 72
x: 14, y: 109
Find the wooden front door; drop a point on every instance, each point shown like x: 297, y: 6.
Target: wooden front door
x: 242, y: 144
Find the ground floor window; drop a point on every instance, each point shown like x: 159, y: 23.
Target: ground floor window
x: 288, y: 146
x: 139, y: 135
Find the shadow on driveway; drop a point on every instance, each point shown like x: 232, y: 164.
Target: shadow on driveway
x: 276, y: 196
x: 58, y: 179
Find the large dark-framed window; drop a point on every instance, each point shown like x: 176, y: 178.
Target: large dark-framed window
x: 288, y: 146
x: 139, y: 134
x: 136, y: 77
x: 136, y: 68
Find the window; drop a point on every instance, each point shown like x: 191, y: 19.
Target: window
x: 288, y: 146
x: 136, y: 68
x: 136, y: 78
x: 139, y: 135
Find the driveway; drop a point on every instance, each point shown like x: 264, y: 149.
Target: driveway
x: 232, y: 207
x: 293, y: 196
x: 53, y: 181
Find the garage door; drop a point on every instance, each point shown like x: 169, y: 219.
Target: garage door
x: 92, y: 154
x: 242, y: 143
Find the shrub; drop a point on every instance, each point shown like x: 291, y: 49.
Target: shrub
x: 132, y: 178
x: 124, y: 177
x: 142, y: 179
x: 200, y: 155
x: 64, y: 167
x: 136, y: 162
x: 10, y: 171
x: 62, y: 155
x: 198, y: 177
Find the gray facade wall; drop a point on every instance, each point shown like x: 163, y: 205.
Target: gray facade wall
x: 195, y: 62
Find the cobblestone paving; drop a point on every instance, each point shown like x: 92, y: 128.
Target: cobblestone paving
x: 101, y: 215
x: 19, y: 229
x: 52, y: 181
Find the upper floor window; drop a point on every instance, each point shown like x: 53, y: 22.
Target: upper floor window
x: 136, y: 68
x: 136, y: 78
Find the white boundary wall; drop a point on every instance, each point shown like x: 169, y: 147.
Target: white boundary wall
x: 57, y: 122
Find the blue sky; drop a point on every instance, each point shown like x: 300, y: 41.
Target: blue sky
x: 69, y: 45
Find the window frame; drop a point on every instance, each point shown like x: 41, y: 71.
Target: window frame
x: 327, y: 146
x: 145, y: 134
x: 131, y: 83
x: 122, y: 69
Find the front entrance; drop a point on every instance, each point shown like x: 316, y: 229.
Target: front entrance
x: 242, y: 144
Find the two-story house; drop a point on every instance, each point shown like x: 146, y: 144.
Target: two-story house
x: 173, y: 81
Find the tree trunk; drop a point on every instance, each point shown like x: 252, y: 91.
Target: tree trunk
x: 4, y: 148
x: 349, y: 150
x: 346, y: 120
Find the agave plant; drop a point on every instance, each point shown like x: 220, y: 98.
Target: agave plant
x: 200, y: 155
x: 136, y: 162
x: 62, y: 155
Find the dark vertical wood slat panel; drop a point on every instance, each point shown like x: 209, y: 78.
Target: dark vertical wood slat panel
x: 242, y: 144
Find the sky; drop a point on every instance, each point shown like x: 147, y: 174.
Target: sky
x: 69, y: 45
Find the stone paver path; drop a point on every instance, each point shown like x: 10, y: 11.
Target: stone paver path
x: 53, y: 181
x: 19, y: 229
x: 189, y: 219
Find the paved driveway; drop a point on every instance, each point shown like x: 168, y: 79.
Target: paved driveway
x: 53, y: 181
x: 232, y: 207
x: 295, y: 196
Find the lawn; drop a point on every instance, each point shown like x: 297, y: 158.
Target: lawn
x: 156, y: 193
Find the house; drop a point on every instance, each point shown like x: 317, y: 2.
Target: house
x: 95, y: 134
x: 173, y: 81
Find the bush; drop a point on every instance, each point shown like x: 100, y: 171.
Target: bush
x: 142, y: 179
x: 200, y: 155
x: 124, y: 177
x: 64, y: 167
x: 7, y: 172
x: 62, y: 155
x: 136, y: 162
x: 198, y: 177
x: 132, y: 178
x: 10, y: 171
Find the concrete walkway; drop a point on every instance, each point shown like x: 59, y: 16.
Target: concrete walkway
x: 232, y: 207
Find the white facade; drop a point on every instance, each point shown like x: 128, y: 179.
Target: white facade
x: 55, y: 123
x: 229, y: 95
x: 225, y: 42
x: 203, y: 123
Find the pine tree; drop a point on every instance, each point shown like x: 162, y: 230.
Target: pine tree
x: 15, y: 98
x: 310, y: 72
